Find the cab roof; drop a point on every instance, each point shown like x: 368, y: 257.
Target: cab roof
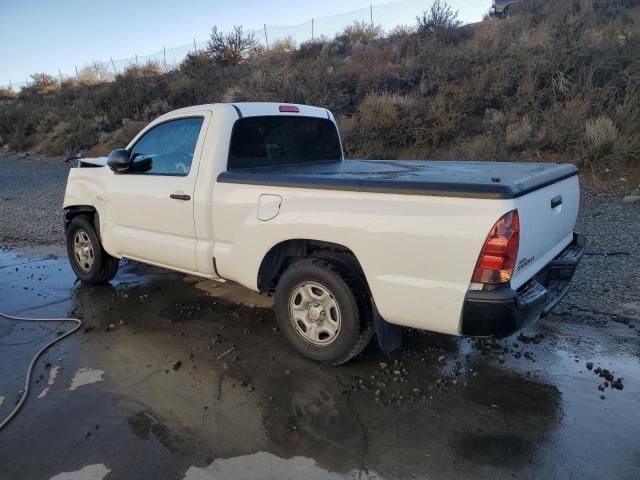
x: 255, y: 109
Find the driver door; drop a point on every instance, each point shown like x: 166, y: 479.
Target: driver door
x: 150, y: 207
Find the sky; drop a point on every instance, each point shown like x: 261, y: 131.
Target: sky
x: 48, y: 35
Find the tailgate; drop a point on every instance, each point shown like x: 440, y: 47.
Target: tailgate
x: 547, y: 219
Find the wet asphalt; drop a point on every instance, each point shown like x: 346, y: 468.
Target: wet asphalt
x: 175, y: 378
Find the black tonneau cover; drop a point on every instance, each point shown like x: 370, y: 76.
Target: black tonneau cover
x: 495, y: 180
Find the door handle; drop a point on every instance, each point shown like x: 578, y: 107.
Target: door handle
x: 177, y: 196
x: 556, y: 201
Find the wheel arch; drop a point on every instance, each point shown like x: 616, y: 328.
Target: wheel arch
x: 506, y: 9
x: 72, y: 211
x: 279, y: 257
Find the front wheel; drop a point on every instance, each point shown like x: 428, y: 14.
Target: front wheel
x: 323, y: 307
x: 89, y: 261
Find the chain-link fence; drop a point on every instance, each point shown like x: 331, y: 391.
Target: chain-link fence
x: 389, y: 16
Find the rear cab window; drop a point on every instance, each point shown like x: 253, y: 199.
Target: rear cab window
x: 282, y: 140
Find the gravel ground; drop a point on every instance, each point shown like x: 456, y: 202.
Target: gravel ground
x: 606, y: 284
x: 605, y: 287
x: 31, y: 193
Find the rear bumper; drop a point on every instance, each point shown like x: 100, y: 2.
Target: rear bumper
x: 503, y: 311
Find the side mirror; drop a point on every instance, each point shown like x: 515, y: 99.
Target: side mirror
x: 119, y: 160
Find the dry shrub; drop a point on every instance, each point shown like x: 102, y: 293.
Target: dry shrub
x: 232, y: 48
x: 600, y: 134
x: 44, y: 83
x: 122, y: 136
x: 401, y: 31
x: 381, y: 125
x: 97, y: 72
x: 519, y: 134
x: 493, y: 121
x: 446, y: 114
x: 74, y: 135
x: 439, y: 20
x: 155, y: 109
x: 564, y: 124
x: 481, y: 147
x: 604, y: 147
x: 7, y: 93
x: 144, y: 70
x: 359, y: 32
x: 284, y: 45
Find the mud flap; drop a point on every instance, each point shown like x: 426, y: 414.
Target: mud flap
x: 389, y: 335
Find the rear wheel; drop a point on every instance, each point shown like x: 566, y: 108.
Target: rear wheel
x: 89, y: 261
x: 323, y: 307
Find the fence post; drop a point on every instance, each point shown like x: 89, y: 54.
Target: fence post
x: 77, y: 74
x: 312, y: 29
x: 136, y: 58
x: 60, y: 73
x: 10, y: 85
x: 371, y: 13
x: 164, y: 51
x: 114, y: 66
x: 195, y: 49
x: 266, y: 39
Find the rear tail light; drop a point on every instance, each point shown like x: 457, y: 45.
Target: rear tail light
x: 498, y: 256
x: 289, y: 108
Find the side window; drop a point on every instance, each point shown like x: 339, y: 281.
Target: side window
x: 168, y: 148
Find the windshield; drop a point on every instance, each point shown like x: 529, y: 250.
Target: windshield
x: 282, y: 140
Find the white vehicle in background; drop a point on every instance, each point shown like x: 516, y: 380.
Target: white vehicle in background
x: 500, y: 8
x: 260, y: 194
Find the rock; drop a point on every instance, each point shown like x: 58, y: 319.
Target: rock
x: 441, y: 359
x: 631, y: 199
x: 602, y: 397
x: 617, y: 384
x: 176, y: 365
x: 384, y: 365
x: 601, y: 387
x: 589, y: 365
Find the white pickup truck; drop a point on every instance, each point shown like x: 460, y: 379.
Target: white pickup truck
x: 260, y: 194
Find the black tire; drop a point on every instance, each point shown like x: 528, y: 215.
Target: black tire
x: 350, y: 293
x: 103, y: 267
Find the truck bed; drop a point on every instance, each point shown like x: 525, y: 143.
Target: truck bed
x: 492, y: 180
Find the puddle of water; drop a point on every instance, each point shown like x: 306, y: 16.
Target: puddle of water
x: 90, y: 472
x: 53, y: 373
x: 86, y: 376
x: 266, y: 465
